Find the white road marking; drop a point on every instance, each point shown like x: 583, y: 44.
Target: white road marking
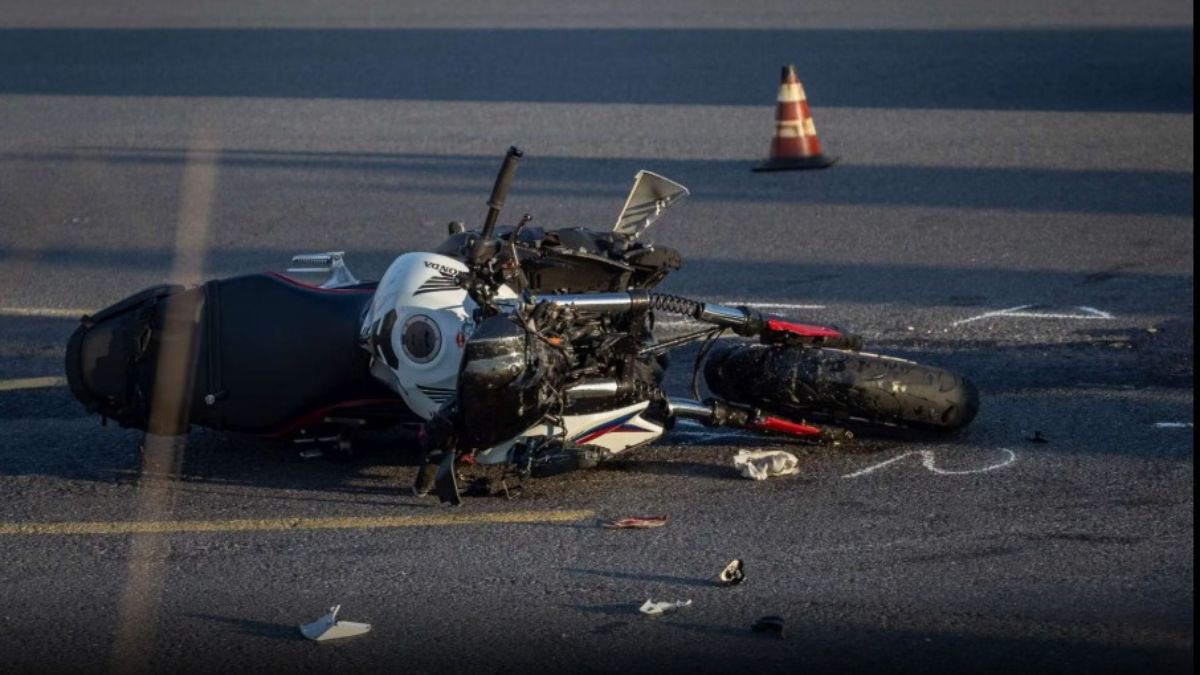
x: 45, y: 312
x: 1172, y: 425
x: 929, y: 461
x: 1089, y: 313
x: 771, y: 305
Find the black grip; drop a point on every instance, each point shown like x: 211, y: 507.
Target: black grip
x: 505, y: 178
x: 479, y: 250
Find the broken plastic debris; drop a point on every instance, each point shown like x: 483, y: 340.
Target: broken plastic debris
x: 733, y: 574
x: 652, y: 608
x: 329, y: 628
x: 769, y: 624
x: 643, y: 523
x: 762, y: 464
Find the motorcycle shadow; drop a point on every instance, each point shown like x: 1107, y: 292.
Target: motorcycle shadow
x: 383, y: 466
x: 669, y: 468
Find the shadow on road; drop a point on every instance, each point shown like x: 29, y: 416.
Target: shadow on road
x: 645, y: 577
x: 264, y: 629
x: 1016, y: 188
x: 1142, y: 69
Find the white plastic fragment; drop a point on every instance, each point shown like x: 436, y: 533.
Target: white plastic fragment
x: 329, y: 628
x: 762, y: 464
x: 652, y: 608
x: 733, y: 574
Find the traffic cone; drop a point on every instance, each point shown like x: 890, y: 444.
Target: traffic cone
x: 795, y: 145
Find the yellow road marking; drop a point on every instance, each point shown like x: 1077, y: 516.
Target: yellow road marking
x: 47, y: 312
x: 266, y: 524
x: 32, y: 383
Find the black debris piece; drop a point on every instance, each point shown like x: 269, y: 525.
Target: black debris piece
x: 772, y: 625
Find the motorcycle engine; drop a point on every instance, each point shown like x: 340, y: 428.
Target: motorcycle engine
x: 508, y: 382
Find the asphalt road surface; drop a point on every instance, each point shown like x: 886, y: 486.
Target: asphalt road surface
x: 994, y: 156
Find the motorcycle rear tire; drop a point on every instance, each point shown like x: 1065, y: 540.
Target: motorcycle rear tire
x: 802, y: 380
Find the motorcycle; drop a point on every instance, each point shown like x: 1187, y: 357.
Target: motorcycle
x: 518, y: 346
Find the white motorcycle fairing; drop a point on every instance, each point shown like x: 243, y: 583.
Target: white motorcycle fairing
x: 614, y: 430
x: 419, y: 322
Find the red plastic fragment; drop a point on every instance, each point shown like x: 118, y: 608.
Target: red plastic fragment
x: 642, y: 523
x: 776, y: 325
x: 786, y: 427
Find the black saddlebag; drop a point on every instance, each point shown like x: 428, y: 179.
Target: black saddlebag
x: 112, y: 356
x: 257, y: 354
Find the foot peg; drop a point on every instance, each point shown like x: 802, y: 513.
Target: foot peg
x: 331, y: 263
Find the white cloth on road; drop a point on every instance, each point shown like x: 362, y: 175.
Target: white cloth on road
x: 762, y: 464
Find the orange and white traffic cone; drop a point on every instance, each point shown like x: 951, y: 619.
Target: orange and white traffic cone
x: 795, y: 145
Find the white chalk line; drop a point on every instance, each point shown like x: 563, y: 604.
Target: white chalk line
x: 1172, y: 425
x: 1089, y: 314
x: 929, y: 461
x: 45, y: 312
x: 772, y: 305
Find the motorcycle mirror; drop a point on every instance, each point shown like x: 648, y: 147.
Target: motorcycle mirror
x: 651, y: 195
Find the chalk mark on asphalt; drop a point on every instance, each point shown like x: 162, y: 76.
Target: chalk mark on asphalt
x: 1021, y: 312
x: 929, y: 461
x: 1172, y: 425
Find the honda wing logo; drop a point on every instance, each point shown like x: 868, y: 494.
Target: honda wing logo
x: 440, y: 281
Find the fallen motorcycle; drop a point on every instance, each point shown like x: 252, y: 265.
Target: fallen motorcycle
x: 519, y: 346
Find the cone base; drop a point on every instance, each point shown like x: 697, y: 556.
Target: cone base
x: 796, y: 163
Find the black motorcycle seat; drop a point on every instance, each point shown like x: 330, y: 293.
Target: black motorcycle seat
x: 274, y: 352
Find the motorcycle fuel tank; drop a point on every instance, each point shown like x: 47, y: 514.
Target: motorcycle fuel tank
x: 417, y: 326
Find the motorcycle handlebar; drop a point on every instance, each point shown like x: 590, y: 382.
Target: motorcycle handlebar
x: 500, y: 190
